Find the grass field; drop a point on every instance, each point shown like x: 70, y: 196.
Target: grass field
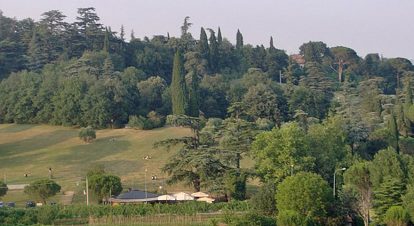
x: 33, y: 149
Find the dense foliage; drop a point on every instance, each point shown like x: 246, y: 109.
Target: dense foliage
x: 43, y: 189
x: 311, y: 113
x: 79, y: 214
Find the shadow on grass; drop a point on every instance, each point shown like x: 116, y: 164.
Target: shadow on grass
x: 25, y: 146
x: 15, y: 128
x: 87, y: 154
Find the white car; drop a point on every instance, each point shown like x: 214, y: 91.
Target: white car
x: 1, y: 204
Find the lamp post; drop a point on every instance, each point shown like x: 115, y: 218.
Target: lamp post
x: 334, y: 182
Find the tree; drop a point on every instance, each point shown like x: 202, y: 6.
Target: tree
x: 314, y: 51
x: 235, y: 184
x: 236, y: 137
x: 105, y: 185
x: 358, y: 179
x: 239, y: 40
x: 196, y: 163
x: 203, y: 47
x: 42, y: 189
x: 151, y: 91
x: 3, y: 189
x: 264, y: 200
x: 408, y: 201
x: 282, y: 152
x: 178, y: 88
x: 387, y: 195
x: 305, y: 193
x: 214, y: 52
x: 387, y: 164
x: 396, y: 216
x: 87, y: 134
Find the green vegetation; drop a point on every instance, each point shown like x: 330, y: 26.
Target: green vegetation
x: 3, y: 189
x: 87, y: 134
x: 322, y: 118
x: 41, y: 190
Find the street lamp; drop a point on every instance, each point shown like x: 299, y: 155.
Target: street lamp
x: 334, y: 182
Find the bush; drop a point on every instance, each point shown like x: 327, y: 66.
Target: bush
x: 306, y: 193
x: 152, y: 121
x: 396, y: 216
x: 290, y: 218
x: 3, y: 189
x: 264, y: 200
x: 264, y: 124
x: 47, y: 214
x: 87, y: 134
x: 254, y: 219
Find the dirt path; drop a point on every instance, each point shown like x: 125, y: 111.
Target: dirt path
x: 67, y: 197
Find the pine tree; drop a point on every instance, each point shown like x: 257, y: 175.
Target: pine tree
x: 239, y: 40
x: 203, y: 47
x: 178, y: 89
x: 37, y: 55
x: 388, y: 194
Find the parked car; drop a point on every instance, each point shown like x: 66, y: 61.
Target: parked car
x: 1, y: 204
x: 30, y: 204
x: 11, y: 204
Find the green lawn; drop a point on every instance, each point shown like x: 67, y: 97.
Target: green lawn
x: 34, y: 148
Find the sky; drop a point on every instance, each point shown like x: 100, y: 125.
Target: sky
x: 367, y: 26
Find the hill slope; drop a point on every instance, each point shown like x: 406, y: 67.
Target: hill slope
x: 33, y: 149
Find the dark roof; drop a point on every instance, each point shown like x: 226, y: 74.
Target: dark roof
x: 136, y: 194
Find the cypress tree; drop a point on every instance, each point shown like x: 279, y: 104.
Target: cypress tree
x: 239, y: 40
x: 214, y: 52
x: 178, y: 90
x: 106, y: 41
x: 193, y: 108
x: 272, y: 47
x: 408, y: 93
x: 393, y: 127
x: 203, y: 47
x: 219, y: 37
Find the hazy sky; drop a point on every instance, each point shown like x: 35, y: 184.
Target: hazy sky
x: 383, y: 26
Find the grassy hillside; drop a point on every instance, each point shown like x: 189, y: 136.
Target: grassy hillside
x: 34, y: 148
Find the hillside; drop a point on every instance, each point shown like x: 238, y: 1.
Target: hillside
x: 33, y: 149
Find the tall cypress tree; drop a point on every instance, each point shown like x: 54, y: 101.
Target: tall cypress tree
x: 239, y: 40
x: 219, y: 37
x: 193, y: 96
x: 272, y: 47
x: 203, y: 47
x: 214, y: 52
x: 106, y: 41
x: 178, y: 90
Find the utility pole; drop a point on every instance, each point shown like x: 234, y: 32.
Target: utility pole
x: 145, y: 184
x: 87, y: 192
x: 334, y: 180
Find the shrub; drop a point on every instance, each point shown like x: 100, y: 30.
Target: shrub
x: 264, y: 124
x: 290, y: 218
x: 152, y: 121
x: 264, y: 200
x: 47, y: 214
x: 306, y: 193
x: 3, y: 189
x: 254, y: 219
x: 396, y: 216
x: 87, y: 134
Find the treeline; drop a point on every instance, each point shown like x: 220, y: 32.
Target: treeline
x: 83, y: 73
